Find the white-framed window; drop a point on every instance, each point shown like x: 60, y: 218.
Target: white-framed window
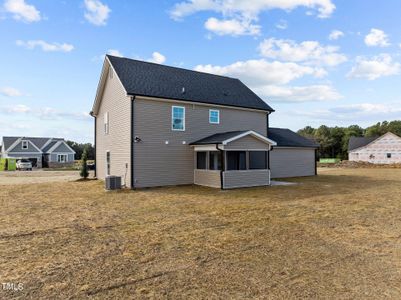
x: 24, y: 145
x: 62, y: 158
x: 106, y: 123
x: 178, y: 118
x: 108, y: 163
x: 214, y: 116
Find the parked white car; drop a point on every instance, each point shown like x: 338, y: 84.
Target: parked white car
x: 24, y: 164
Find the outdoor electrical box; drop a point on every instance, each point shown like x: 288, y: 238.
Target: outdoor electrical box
x: 113, y: 183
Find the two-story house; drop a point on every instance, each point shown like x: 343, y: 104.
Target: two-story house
x: 157, y: 125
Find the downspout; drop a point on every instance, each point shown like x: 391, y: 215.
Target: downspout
x: 132, y: 144
x: 94, y: 141
x: 222, y: 166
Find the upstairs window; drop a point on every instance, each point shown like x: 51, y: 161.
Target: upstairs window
x: 178, y: 118
x: 106, y: 123
x: 214, y: 116
x: 24, y: 145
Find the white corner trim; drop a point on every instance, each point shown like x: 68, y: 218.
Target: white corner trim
x: 253, y: 133
x: 102, y: 81
x: 56, y: 145
x: 47, y: 143
x: 13, y: 145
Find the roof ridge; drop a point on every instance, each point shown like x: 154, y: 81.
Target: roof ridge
x: 168, y: 66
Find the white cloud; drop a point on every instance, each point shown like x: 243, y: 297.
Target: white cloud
x: 260, y: 72
x: 240, y: 15
x: 22, y: 11
x: 249, y: 10
x: 45, y: 46
x: 10, y: 92
x: 18, y: 109
x: 282, y: 25
x: 307, y: 51
x: 299, y: 93
x: 96, y: 13
x: 377, y: 37
x: 157, y: 58
x: 232, y: 27
x: 376, y: 67
x: 115, y: 52
x: 269, y: 79
x: 335, y: 35
x: 48, y: 113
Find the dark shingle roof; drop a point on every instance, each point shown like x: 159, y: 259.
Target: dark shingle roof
x: 8, y: 141
x: 51, y: 144
x: 217, y: 138
x: 287, y: 138
x: 357, y: 142
x: 148, y: 79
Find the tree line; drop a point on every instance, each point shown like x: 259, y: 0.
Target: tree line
x: 334, y: 140
x: 79, y: 149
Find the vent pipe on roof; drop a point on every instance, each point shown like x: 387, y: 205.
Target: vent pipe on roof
x: 183, y: 90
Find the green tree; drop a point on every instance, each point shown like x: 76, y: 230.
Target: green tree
x: 84, y: 166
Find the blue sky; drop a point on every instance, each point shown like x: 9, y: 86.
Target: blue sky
x: 333, y: 62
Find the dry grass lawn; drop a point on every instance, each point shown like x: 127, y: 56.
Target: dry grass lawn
x: 337, y: 235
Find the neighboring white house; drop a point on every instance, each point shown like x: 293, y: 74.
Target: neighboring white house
x: 385, y: 149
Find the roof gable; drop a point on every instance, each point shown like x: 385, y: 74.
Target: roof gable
x: 154, y: 80
x: 60, y: 147
x: 362, y: 142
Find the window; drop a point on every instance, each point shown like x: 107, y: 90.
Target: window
x: 62, y: 158
x: 106, y: 123
x: 214, y: 116
x: 214, y: 160
x: 257, y: 160
x: 236, y: 160
x: 24, y: 144
x: 178, y: 118
x: 388, y: 155
x: 107, y: 163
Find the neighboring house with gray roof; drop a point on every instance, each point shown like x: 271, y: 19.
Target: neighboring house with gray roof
x: 157, y: 125
x: 42, y: 152
x: 385, y: 149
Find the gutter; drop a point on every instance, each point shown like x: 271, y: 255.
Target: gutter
x: 95, y: 120
x: 222, y: 166
x: 132, y: 143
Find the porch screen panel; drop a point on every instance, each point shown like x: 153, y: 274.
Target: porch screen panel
x: 215, y: 160
x: 257, y: 160
x: 201, y: 160
x: 236, y: 160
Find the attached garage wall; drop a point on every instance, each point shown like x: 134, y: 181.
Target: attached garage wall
x: 292, y: 162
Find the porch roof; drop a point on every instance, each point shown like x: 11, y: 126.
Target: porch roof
x: 224, y: 138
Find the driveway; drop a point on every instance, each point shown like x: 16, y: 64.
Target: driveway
x: 37, y: 176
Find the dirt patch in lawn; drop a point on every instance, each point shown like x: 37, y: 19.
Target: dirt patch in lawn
x: 337, y: 235
x: 37, y: 176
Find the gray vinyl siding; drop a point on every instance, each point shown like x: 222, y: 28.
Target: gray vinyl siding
x: 18, y: 148
x: 53, y: 157
x: 62, y: 148
x: 157, y: 163
x: 246, y: 178
x: 207, y: 178
x: 292, y: 162
x: 247, y: 143
x: 117, y: 141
